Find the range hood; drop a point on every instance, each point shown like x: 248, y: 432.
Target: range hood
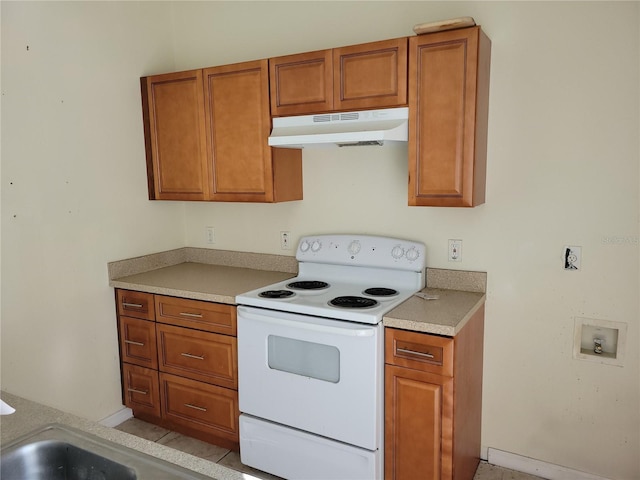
x: 368, y: 127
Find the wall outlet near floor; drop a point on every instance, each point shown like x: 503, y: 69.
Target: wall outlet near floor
x: 210, y: 235
x: 285, y: 240
x: 455, y: 250
x: 572, y: 257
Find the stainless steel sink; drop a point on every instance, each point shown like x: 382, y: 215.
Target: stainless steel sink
x: 57, y: 452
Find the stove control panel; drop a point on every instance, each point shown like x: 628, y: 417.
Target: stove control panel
x: 362, y: 250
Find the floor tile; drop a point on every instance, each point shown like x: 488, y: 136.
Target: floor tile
x: 193, y: 446
x: 232, y: 461
x: 142, y: 429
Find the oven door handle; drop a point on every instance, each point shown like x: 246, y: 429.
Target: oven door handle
x: 346, y: 332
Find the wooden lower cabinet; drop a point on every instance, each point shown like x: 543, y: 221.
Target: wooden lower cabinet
x: 176, y: 372
x: 433, y: 402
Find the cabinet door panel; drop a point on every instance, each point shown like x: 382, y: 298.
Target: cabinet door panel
x: 138, y: 342
x: 302, y: 83
x: 208, y: 316
x: 238, y: 125
x: 418, y: 417
x: 203, y: 407
x: 173, y: 110
x: 141, y: 389
x: 447, y: 167
x: 203, y: 356
x: 371, y: 75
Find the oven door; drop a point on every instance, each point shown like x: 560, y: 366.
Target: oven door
x: 314, y: 374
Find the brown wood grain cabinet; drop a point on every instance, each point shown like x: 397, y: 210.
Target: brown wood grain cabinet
x: 371, y: 75
x: 433, y: 402
x: 206, y: 137
x: 448, y: 111
x: 179, y: 364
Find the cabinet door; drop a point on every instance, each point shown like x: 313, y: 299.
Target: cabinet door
x: 135, y: 304
x: 203, y: 356
x: 371, y: 75
x: 208, y: 316
x: 418, y: 425
x: 173, y: 111
x: 448, y: 90
x: 141, y: 389
x: 205, y: 408
x: 302, y: 83
x: 138, y: 342
x: 238, y: 126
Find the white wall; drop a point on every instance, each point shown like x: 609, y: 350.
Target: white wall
x: 563, y: 168
x: 74, y: 191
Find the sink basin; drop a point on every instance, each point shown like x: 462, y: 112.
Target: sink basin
x: 57, y: 452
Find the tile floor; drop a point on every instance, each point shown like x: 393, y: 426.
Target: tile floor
x: 231, y: 459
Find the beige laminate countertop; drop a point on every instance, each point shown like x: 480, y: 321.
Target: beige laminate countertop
x: 30, y: 416
x: 445, y: 315
x: 199, y: 281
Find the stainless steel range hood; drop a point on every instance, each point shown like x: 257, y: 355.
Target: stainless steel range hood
x: 369, y: 127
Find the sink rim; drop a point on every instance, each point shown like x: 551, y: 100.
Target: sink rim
x: 145, y: 466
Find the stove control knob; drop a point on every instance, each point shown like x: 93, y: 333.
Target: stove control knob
x: 304, y: 246
x: 412, y: 254
x: 316, y: 246
x: 354, y: 247
x: 397, y: 252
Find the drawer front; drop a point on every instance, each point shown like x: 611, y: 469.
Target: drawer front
x: 136, y: 304
x: 211, y: 317
x: 203, y: 356
x: 141, y: 389
x: 138, y: 342
x: 200, y: 406
x: 419, y: 351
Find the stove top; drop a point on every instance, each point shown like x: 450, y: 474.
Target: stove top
x: 346, y: 277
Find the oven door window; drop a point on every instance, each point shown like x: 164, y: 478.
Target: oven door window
x: 308, y: 359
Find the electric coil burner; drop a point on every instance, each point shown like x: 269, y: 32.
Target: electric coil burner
x: 349, y: 301
x: 308, y: 285
x: 276, y: 294
x: 381, y: 292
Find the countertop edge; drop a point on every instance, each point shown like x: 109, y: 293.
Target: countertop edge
x: 173, y: 292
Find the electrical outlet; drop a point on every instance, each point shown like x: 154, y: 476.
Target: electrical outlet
x: 572, y: 257
x: 285, y: 240
x: 210, y: 235
x: 455, y: 250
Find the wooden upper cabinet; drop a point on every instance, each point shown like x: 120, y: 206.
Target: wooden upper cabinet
x: 371, y: 75
x: 173, y: 111
x: 301, y: 83
x: 448, y: 109
x: 207, y: 137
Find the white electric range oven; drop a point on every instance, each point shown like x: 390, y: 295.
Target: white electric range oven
x: 310, y: 357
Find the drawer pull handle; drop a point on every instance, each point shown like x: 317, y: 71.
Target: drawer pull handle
x: 197, y: 357
x: 194, y: 315
x: 412, y: 352
x: 195, y: 407
x: 132, y: 305
x: 131, y: 342
x: 135, y: 390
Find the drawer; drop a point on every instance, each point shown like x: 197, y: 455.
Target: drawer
x: 200, y: 406
x: 207, y: 357
x: 141, y: 389
x: 419, y: 351
x: 208, y: 316
x: 138, y: 342
x: 136, y: 304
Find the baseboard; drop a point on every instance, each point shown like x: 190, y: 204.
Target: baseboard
x: 117, y: 418
x: 537, y: 467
